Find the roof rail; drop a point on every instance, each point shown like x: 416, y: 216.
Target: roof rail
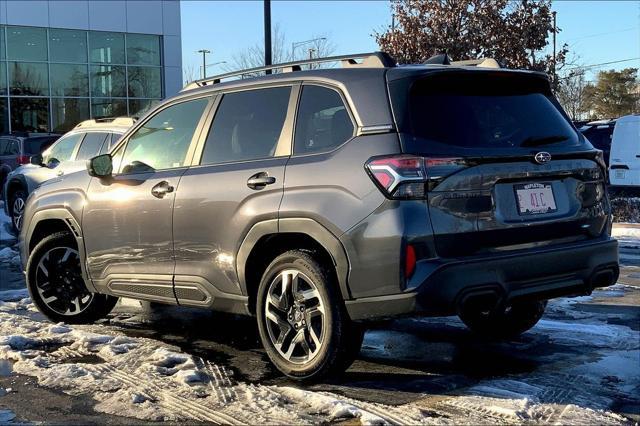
x: 116, y: 121
x: 369, y: 60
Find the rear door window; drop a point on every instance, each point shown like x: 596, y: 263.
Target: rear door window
x: 37, y: 145
x: 9, y: 147
x: 91, y: 145
x: 323, y: 122
x: 484, y: 111
x: 247, y: 125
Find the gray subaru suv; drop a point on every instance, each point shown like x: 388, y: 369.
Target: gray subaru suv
x: 318, y: 200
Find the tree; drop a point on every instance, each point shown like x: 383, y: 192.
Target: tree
x: 253, y: 56
x: 514, y: 33
x: 571, y: 94
x: 614, y: 94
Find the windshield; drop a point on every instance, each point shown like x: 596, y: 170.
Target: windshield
x: 486, y: 111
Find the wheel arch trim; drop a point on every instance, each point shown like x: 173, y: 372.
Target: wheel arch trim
x: 66, y: 217
x: 306, y: 226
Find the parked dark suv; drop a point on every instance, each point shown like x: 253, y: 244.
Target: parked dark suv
x: 318, y: 200
x: 17, y: 149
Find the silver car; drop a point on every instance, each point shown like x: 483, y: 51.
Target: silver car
x: 68, y: 154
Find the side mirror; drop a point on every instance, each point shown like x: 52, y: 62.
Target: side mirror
x: 36, y: 160
x: 100, y: 166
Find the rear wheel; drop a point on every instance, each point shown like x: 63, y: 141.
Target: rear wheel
x: 302, y: 321
x: 505, y: 322
x: 17, y: 202
x: 56, y: 286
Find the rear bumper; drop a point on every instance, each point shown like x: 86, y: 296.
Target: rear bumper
x: 567, y: 270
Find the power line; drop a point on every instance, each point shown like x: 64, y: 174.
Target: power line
x: 584, y: 67
x: 624, y: 30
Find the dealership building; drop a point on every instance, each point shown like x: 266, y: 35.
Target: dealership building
x: 65, y: 61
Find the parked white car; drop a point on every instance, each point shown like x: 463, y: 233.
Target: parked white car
x: 624, y: 166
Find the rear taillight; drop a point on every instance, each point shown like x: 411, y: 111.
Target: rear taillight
x: 408, y: 176
x: 23, y: 159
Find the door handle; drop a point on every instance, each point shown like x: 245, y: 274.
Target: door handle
x: 161, y: 189
x: 260, y: 180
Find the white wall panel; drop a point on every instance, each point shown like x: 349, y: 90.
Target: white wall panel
x: 171, y: 17
x: 32, y: 13
x: 172, y: 50
x: 144, y: 16
x: 69, y: 14
x: 172, y: 81
x: 108, y: 15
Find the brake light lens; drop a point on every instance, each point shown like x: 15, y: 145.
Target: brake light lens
x: 408, y: 176
x: 23, y: 159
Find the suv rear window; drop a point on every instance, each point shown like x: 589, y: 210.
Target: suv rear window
x: 487, y: 111
x: 37, y: 145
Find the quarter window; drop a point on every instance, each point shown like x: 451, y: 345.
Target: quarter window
x: 162, y: 142
x: 247, y: 126
x: 323, y: 121
x: 9, y: 147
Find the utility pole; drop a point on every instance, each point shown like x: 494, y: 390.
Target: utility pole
x: 555, y: 30
x: 204, y: 61
x: 267, y: 34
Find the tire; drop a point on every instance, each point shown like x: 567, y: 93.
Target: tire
x: 17, y: 201
x: 56, y: 286
x: 504, y: 323
x: 315, y: 318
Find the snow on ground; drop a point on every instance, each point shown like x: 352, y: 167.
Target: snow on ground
x: 151, y: 380
x: 5, y: 225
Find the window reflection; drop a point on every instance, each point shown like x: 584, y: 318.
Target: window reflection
x: 28, y: 79
x: 27, y: 43
x: 4, y: 116
x: 67, y: 112
x: 144, y: 82
x: 68, y: 46
x: 3, y: 78
x: 30, y: 114
x: 101, y: 108
x: 139, y: 107
x: 69, y: 80
x: 107, y: 81
x: 106, y: 47
x: 143, y: 49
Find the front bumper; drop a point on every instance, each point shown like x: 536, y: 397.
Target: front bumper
x: 564, y: 270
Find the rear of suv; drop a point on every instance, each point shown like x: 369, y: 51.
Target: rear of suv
x: 69, y: 154
x: 320, y: 200
x: 16, y: 149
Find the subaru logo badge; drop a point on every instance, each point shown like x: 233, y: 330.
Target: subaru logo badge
x: 542, y: 157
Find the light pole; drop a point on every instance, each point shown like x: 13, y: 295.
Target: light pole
x: 267, y: 34
x: 300, y: 43
x: 213, y: 64
x: 204, y: 61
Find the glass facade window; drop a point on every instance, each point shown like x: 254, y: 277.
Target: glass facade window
x: 27, y: 43
x: 51, y: 79
x: 28, y: 79
x: 68, y: 46
x: 30, y: 114
x: 4, y: 116
x: 104, y: 107
x: 106, y: 48
x: 143, y: 49
x: 69, y: 80
x: 67, y: 112
x: 139, y: 107
x: 144, y: 82
x: 3, y: 78
x: 108, y: 81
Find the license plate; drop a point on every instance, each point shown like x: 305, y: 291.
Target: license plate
x: 535, y: 198
x: 620, y: 173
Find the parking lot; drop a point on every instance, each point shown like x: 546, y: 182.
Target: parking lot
x: 151, y: 362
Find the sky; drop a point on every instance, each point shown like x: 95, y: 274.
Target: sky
x: 596, y: 31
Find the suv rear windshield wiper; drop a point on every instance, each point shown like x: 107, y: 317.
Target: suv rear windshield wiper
x: 531, y: 141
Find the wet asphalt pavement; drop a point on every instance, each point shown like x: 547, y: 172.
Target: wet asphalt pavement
x: 407, y: 360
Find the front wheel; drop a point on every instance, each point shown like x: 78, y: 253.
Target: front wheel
x: 56, y: 286
x: 302, y: 321
x: 17, y: 201
x: 505, y: 322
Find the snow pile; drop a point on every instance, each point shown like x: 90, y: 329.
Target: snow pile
x: 9, y: 254
x: 6, y: 231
